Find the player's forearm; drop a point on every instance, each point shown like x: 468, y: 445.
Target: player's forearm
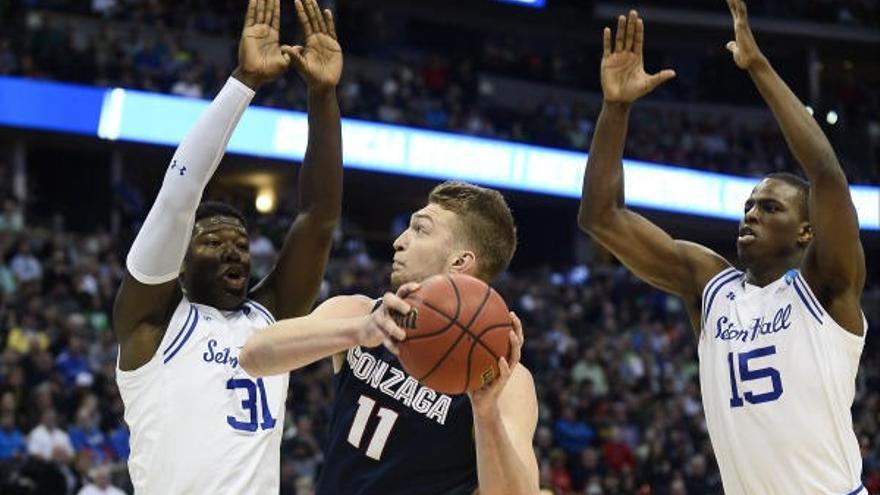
x: 159, y: 248
x: 805, y: 138
x: 320, y: 190
x: 500, y: 470
x: 298, y: 342
x: 603, y: 179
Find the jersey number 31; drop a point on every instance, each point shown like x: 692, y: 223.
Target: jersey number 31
x: 255, y: 392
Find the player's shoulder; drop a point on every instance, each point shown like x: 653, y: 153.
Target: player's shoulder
x: 346, y: 306
x: 704, y: 263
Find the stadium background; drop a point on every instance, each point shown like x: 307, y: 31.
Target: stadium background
x: 614, y: 361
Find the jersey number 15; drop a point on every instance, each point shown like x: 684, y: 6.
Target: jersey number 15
x: 747, y: 375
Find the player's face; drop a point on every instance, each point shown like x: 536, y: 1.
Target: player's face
x: 218, y: 264
x: 773, y: 226
x: 425, y: 247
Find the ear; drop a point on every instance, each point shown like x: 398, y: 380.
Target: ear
x: 464, y: 262
x: 805, y: 234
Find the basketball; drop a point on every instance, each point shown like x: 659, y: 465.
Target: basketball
x: 457, y: 330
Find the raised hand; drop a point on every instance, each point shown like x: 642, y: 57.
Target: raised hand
x: 486, y: 397
x: 745, y: 49
x: 260, y: 58
x: 624, y: 79
x: 319, y: 61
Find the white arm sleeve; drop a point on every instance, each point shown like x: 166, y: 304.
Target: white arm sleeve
x: 160, y: 246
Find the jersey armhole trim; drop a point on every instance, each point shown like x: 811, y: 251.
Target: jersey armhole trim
x: 169, y: 354
x: 714, y: 285
x: 262, y: 309
x: 129, y: 375
x: 850, y: 339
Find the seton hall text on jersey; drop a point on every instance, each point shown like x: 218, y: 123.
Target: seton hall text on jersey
x: 395, y: 383
x: 727, y: 330
x: 219, y: 356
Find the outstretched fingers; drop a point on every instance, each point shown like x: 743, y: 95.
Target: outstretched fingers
x: 315, y: 17
x: 331, y: 24
x: 303, y: 18
x: 737, y: 8
x: 620, y: 35
x: 660, y: 78
x: 640, y: 37
x: 275, y: 20
x: 250, y: 17
x: 261, y: 12
x: 630, y: 30
x: 606, y: 42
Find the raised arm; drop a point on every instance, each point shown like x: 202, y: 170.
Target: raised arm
x: 292, y: 286
x: 505, y: 419
x: 835, y: 260
x: 678, y: 267
x: 150, y: 290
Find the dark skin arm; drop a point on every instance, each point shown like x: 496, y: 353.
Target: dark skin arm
x: 834, y: 264
x: 292, y: 286
x: 678, y: 267
x: 142, y: 311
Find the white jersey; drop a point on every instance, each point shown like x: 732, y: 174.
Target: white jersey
x: 777, y: 376
x: 200, y: 424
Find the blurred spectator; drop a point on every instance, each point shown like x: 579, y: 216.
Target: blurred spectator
x: 100, y: 483
x: 87, y: 437
x: 11, y: 440
x: 47, y: 437
x: 25, y: 266
x: 12, y: 217
x: 73, y: 364
x: 572, y: 434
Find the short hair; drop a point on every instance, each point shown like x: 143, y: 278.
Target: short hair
x: 216, y: 208
x: 486, y: 221
x: 800, y: 184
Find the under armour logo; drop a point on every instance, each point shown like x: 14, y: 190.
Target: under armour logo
x: 182, y: 169
x: 731, y: 295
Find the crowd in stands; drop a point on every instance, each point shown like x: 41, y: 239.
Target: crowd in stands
x: 439, y: 87
x: 614, y: 362
x: 849, y: 12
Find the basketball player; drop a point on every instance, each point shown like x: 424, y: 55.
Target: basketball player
x: 199, y: 423
x: 389, y: 434
x: 779, y: 342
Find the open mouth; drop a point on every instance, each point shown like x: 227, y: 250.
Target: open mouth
x: 746, y: 234
x: 235, y: 278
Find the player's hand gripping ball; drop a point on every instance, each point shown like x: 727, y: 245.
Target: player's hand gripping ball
x: 456, y: 332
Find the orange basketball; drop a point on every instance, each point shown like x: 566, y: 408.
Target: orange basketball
x: 457, y: 330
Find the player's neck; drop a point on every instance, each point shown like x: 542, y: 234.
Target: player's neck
x: 764, y: 274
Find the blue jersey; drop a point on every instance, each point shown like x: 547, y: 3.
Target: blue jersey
x: 391, y: 435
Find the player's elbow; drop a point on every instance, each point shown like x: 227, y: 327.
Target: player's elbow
x: 592, y: 220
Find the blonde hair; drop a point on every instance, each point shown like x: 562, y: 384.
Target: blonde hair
x: 486, y: 223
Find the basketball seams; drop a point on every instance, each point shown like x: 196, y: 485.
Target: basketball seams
x: 459, y: 325
x: 454, y: 322
x: 444, y: 356
x: 464, y: 355
x: 435, y: 332
x: 476, y: 340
